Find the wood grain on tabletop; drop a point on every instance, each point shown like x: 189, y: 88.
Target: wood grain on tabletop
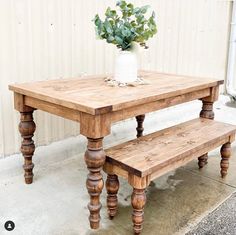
x: 91, y: 93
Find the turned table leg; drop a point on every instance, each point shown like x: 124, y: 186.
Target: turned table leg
x: 138, y: 200
x: 140, y: 129
x: 95, y: 159
x: 27, y: 128
x: 225, y: 155
x: 112, y: 186
x: 206, y: 112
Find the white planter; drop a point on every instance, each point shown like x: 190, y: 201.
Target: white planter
x: 126, y: 67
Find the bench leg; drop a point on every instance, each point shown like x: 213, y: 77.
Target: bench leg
x: 27, y: 128
x: 225, y: 155
x: 206, y: 112
x: 202, y: 161
x: 138, y: 201
x: 112, y: 186
x: 140, y: 129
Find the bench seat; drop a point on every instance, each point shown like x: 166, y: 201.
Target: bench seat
x: 148, y: 157
x: 159, y: 152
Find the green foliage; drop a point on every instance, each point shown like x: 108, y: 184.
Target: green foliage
x: 125, y: 25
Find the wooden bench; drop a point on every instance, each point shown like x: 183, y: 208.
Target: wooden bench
x: 146, y: 158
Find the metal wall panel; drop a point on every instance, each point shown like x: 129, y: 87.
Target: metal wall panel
x: 47, y: 39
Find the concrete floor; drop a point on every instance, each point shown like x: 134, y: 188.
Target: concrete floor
x: 56, y: 203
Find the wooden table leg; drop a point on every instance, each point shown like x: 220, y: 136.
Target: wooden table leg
x: 140, y: 129
x: 27, y: 128
x: 206, y: 112
x: 95, y: 159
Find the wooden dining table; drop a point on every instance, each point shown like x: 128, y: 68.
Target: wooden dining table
x: 90, y: 101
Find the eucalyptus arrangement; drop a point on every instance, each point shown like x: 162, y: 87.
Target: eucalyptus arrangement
x: 123, y: 27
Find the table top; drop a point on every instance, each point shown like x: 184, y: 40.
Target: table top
x: 91, y: 94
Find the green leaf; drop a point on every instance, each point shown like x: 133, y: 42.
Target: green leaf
x: 126, y: 32
x: 108, y: 27
x: 118, y: 3
x: 144, y: 9
x: 136, y: 10
x: 140, y: 19
x: 130, y: 6
x: 153, y: 14
x: 122, y: 5
x: 108, y: 11
x: 113, y: 13
x: 97, y: 20
x: 110, y: 39
x: 119, y: 40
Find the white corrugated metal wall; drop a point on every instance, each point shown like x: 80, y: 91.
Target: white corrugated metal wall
x: 45, y: 39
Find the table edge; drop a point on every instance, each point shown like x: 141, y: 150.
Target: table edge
x: 108, y: 108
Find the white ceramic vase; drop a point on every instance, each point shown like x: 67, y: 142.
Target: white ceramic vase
x: 126, y: 67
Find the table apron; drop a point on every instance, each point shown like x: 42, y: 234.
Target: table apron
x: 119, y: 115
x: 159, y: 104
x: 62, y: 111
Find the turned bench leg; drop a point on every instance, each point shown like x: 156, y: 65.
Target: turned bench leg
x: 202, y: 161
x: 140, y: 129
x: 206, y: 112
x: 112, y: 186
x: 225, y: 155
x: 138, y: 201
x: 27, y: 128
